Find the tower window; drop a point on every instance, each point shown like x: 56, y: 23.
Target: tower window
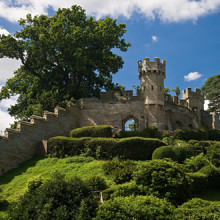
x: 152, y: 87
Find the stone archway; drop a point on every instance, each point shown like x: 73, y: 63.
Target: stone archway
x: 130, y: 123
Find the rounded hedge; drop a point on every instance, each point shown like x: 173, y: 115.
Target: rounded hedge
x: 92, y: 131
x: 181, y: 153
x: 197, y: 209
x: 166, y: 179
x: 164, y: 152
x: 140, y: 207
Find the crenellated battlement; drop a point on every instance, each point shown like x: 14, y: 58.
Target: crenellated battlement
x: 189, y: 93
x: 152, y: 67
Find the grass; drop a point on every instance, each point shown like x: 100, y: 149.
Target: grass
x: 15, y: 183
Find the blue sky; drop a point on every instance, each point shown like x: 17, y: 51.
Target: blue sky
x: 184, y: 33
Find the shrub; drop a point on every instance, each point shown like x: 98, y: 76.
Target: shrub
x: 164, y: 152
x: 92, y: 131
x: 127, y: 189
x: 181, y: 153
x: 101, y: 148
x: 65, y: 146
x: 137, y: 148
x: 56, y: 199
x: 96, y: 183
x: 121, y: 171
x: 200, y: 181
x: 195, y: 163
x: 191, y: 134
x: 198, y: 209
x: 213, y: 175
x: 165, y: 134
x: 214, y: 134
x: 168, y: 140
x: 166, y: 179
x: 193, y: 142
x: 149, y: 132
x: 140, y: 207
x: 213, y: 154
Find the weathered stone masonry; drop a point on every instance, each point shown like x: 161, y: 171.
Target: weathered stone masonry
x: 150, y: 107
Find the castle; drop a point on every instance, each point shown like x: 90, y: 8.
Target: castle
x: 151, y: 106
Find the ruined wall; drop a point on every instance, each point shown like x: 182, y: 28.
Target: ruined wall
x: 24, y: 142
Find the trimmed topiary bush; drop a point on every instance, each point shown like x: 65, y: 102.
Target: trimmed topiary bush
x: 200, y: 181
x: 137, y: 148
x: 165, y: 179
x: 121, y: 171
x: 181, y: 153
x: 149, y: 132
x: 92, y: 131
x: 191, y: 134
x: 140, y: 207
x: 213, y: 175
x: 164, y: 152
x: 101, y: 148
x: 194, y: 164
x: 213, y: 154
x: 197, y: 209
x: 65, y: 146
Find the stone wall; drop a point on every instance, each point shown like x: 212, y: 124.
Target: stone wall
x: 27, y: 140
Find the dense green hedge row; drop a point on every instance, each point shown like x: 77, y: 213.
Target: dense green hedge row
x: 198, y: 134
x: 149, y: 132
x: 92, y: 131
x: 135, y: 148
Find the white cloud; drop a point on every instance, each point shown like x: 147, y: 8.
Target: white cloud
x: 4, y: 31
x: 192, y: 76
x: 155, y: 38
x: 8, y: 66
x: 167, y: 11
x: 5, y: 120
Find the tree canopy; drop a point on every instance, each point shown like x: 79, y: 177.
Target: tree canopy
x: 65, y: 56
x: 211, y: 90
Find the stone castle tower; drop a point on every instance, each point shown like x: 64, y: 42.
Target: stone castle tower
x: 152, y: 75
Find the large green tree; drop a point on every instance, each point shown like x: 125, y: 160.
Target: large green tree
x: 68, y: 55
x: 211, y: 90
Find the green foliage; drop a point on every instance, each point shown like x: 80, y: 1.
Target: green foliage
x: 92, y: 131
x: 181, y: 153
x: 166, y: 179
x: 191, y: 134
x: 200, y: 181
x: 101, y: 148
x: 165, y: 134
x: 56, y: 199
x: 164, y: 152
x: 166, y: 90
x: 126, y: 189
x: 140, y: 207
x: 168, y: 140
x: 214, y: 134
x: 65, y: 146
x: 177, y: 91
x: 149, y: 132
x: 211, y: 90
x: 96, y: 183
x: 213, y: 175
x: 195, y: 163
x: 213, y: 154
x: 198, y: 209
x: 65, y: 56
x: 121, y: 171
x: 137, y: 148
